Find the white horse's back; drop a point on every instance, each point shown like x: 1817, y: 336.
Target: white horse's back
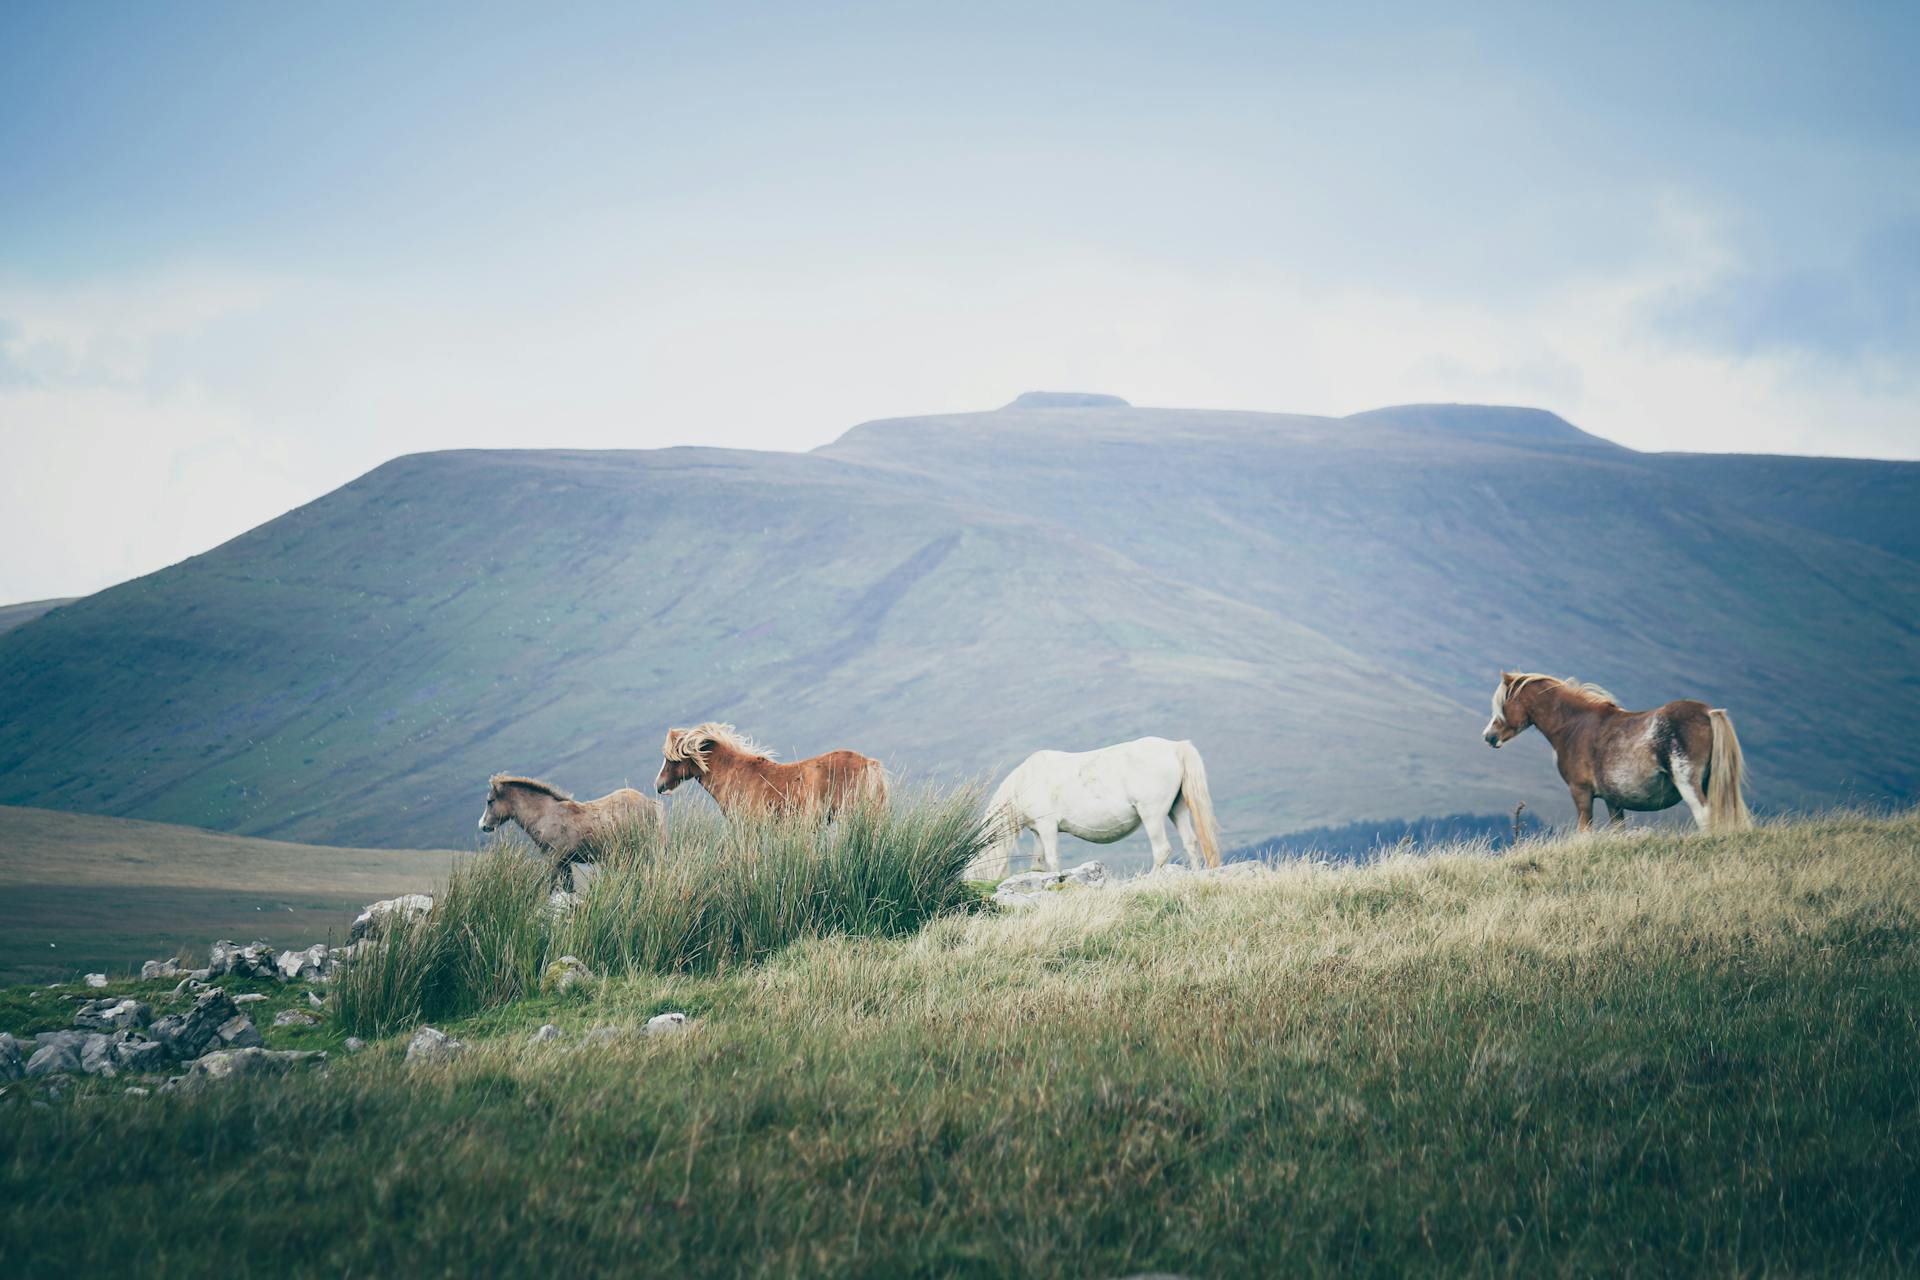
x: 1106, y: 795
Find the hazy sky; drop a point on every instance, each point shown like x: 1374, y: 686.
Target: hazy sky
x: 248, y: 253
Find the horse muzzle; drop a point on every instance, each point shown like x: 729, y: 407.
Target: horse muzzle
x: 1493, y: 740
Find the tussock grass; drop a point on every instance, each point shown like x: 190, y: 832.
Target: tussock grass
x: 1654, y: 1054
x: 718, y: 894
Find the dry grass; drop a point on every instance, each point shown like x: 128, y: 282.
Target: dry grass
x: 1673, y: 1055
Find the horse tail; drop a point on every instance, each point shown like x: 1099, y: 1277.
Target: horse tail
x: 873, y: 784
x: 1193, y: 790
x: 1726, y: 774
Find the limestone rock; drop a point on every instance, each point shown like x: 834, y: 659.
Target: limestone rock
x: 238, y: 1032
x: 190, y: 1034
x: 96, y: 1056
x: 153, y: 969
x: 231, y: 1064
x: 370, y: 922
x: 255, y: 960
x: 52, y: 1059
x: 96, y: 980
x: 296, y: 1018
x: 141, y: 1057
x: 354, y: 1044
x: 566, y: 973
x: 1029, y: 887
x: 312, y: 965
x: 545, y: 1035
x: 250, y: 997
x: 434, y: 1046
x: 12, y: 1065
x: 110, y: 1014
x: 666, y: 1024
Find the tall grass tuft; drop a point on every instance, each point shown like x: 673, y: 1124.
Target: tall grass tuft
x: 719, y: 894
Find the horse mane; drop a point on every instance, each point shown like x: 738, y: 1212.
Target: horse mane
x: 1590, y: 693
x: 684, y: 744
x: 500, y: 780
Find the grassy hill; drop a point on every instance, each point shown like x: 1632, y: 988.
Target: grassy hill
x: 80, y: 893
x: 1321, y: 604
x: 13, y: 615
x: 1675, y: 1056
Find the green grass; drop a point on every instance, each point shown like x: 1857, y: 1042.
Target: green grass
x: 719, y: 894
x: 1654, y: 1054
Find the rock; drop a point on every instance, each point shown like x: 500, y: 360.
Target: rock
x: 238, y: 1032
x: 315, y: 1000
x: 566, y: 973
x: 96, y: 980
x: 73, y: 1038
x: 1028, y: 887
x: 354, y: 1044
x: 190, y: 1034
x: 370, y: 922
x: 189, y: 986
x: 255, y: 960
x: 250, y: 997
x: 111, y: 1014
x: 545, y: 1035
x: 153, y: 969
x: 560, y: 904
x: 141, y: 1057
x: 296, y: 1018
x: 96, y: 1056
x: 665, y: 1024
x: 604, y: 1035
x: 231, y: 1064
x: 135, y: 1091
x: 12, y: 1066
x: 311, y: 965
x: 52, y: 1059
x: 433, y: 1046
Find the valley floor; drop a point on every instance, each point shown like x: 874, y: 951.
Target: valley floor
x: 1650, y: 1054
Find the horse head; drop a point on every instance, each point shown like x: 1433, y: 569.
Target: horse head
x: 499, y: 806
x: 1509, y: 718
x: 684, y: 756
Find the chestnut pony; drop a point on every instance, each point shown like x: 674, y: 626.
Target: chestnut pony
x: 568, y: 830
x: 743, y: 778
x: 1633, y: 760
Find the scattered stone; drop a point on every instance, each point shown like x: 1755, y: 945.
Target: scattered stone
x: 135, y: 1091
x: 296, y: 1018
x: 153, y: 969
x: 238, y: 1032
x: 315, y: 1000
x: 370, y: 922
x: 190, y: 1034
x: 12, y: 1066
x: 189, y: 986
x: 141, y: 1057
x: 1029, y: 887
x: 255, y: 960
x: 560, y: 904
x: 96, y: 1056
x: 545, y: 1034
x: 566, y: 973
x: 96, y: 980
x: 312, y: 965
x: 53, y: 1059
x: 434, y: 1046
x: 355, y: 1044
x: 250, y: 997
x: 73, y: 1038
x: 111, y: 1014
x: 665, y: 1024
x: 230, y: 1064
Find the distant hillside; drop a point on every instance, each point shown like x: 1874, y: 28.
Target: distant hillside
x: 13, y: 615
x: 1322, y: 604
x: 83, y: 893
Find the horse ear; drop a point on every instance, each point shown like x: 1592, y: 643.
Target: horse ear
x: 1506, y: 677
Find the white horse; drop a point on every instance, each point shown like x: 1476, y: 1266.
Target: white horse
x: 1104, y: 796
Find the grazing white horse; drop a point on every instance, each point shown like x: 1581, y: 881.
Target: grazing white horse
x: 1104, y: 796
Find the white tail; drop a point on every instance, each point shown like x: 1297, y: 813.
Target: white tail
x: 1726, y: 806
x: 1193, y: 790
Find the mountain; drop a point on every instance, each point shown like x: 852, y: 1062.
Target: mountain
x: 13, y: 615
x: 1322, y: 604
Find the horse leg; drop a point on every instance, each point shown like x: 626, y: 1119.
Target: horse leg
x: 1687, y: 784
x: 1583, y: 806
x: 1155, y: 824
x: 1616, y: 817
x: 1048, y: 833
x: 1183, y: 823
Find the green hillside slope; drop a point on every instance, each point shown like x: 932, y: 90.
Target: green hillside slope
x: 1321, y: 604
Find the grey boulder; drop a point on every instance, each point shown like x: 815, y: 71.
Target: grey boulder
x: 545, y: 1035
x: 312, y: 965
x: 110, y: 1014
x: 153, y: 969
x: 430, y: 1045
x: 231, y: 1064
x: 12, y: 1065
x: 190, y: 1034
x: 370, y: 922
x: 255, y: 960
x: 296, y: 1018
x: 53, y: 1059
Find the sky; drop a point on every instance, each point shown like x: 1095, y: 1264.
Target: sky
x: 250, y: 252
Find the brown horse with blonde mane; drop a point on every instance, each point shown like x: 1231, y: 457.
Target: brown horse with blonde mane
x: 744, y: 778
x: 569, y: 831
x: 1634, y: 760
